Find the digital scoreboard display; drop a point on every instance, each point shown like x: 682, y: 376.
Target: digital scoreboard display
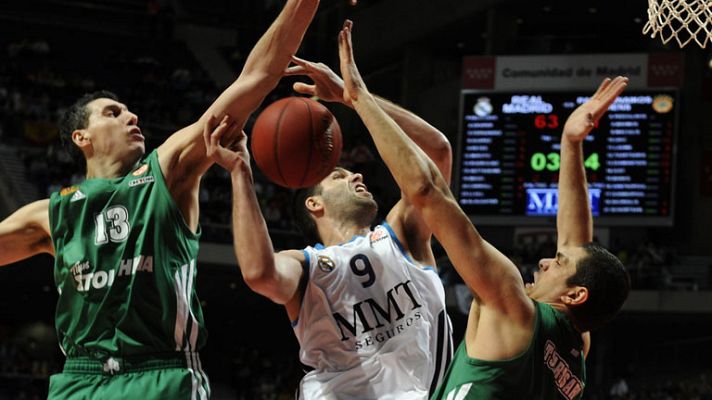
x: 508, y: 157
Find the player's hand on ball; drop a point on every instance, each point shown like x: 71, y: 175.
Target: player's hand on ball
x: 582, y: 120
x: 353, y: 83
x: 328, y: 86
x: 230, y: 155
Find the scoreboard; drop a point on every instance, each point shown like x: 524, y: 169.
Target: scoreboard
x: 508, y: 156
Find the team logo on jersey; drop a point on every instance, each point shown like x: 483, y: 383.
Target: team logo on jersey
x: 569, y: 385
x: 87, y: 278
x: 141, y: 181
x: 141, y: 170
x: 68, y: 190
x: 326, y: 264
x: 373, y: 321
x: 78, y: 195
x: 377, y: 235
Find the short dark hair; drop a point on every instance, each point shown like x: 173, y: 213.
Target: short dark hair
x: 301, y: 217
x: 77, y: 117
x: 608, y: 284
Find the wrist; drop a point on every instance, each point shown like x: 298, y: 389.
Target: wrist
x: 241, y: 173
x: 365, y: 98
x: 572, y: 139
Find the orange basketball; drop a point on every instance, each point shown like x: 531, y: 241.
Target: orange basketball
x: 296, y: 142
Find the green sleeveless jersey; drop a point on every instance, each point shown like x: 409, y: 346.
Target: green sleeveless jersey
x: 553, y: 366
x: 125, y: 268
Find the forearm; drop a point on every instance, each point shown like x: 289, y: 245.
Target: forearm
x: 275, y: 49
x: 267, y: 61
x: 411, y: 168
x: 433, y: 142
x: 25, y: 233
x: 184, y: 151
x: 12, y: 251
x: 252, y: 244
x: 574, y: 221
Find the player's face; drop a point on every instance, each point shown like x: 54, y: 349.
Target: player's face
x: 550, y: 280
x: 343, y: 190
x: 113, y: 130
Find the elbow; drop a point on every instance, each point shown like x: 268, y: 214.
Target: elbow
x: 255, y: 274
x: 264, y: 284
x: 423, y: 191
x: 256, y: 279
x: 440, y: 151
x: 443, y: 152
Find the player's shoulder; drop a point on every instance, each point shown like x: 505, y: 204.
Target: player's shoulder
x: 297, y: 255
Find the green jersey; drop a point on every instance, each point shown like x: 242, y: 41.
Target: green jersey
x: 125, y: 268
x: 552, y: 367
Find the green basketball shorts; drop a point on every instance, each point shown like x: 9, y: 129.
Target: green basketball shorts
x: 173, y: 376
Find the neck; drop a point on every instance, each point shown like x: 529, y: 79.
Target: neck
x: 337, y: 232
x: 566, y: 311
x: 108, y: 168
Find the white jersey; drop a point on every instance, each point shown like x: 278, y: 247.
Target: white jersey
x: 372, y: 322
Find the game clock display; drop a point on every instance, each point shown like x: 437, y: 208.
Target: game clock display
x: 508, y: 156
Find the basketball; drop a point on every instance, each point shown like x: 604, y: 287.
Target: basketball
x: 296, y: 142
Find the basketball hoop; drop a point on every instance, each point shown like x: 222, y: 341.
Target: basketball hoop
x: 684, y: 20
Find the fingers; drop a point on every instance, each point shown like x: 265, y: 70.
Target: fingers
x: 236, y: 142
x: 618, y: 86
x: 232, y: 128
x: 213, y: 141
x: 226, y: 125
x: 207, y: 130
x: 613, y: 86
x: 303, y: 67
x: 345, y: 46
x: 610, y: 93
x: 303, y: 88
x: 300, y: 61
x: 296, y: 70
x: 602, y: 87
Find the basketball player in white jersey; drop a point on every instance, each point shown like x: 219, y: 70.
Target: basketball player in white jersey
x: 366, y: 305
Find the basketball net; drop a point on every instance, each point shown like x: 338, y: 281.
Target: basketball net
x: 683, y: 20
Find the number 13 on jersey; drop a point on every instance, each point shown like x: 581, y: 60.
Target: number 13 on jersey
x: 112, y: 225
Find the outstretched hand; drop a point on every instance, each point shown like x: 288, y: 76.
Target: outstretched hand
x: 327, y: 86
x: 353, y: 83
x: 232, y: 154
x: 582, y: 120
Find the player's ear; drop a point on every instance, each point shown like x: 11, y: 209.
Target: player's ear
x: 81, y: 138
x: 575, y: 296
x: 314, y: 204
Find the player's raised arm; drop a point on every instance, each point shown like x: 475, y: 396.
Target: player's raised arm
x: 489, y: 273
x: 403, y: 217
x: 26, y: 233
x: 574, y: 223
x: 183, y: 154
x: 407, y: 162
x: 328, y: 86
x: 276, y: 276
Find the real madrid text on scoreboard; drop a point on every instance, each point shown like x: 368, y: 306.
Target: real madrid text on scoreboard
x: 508, y: 156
